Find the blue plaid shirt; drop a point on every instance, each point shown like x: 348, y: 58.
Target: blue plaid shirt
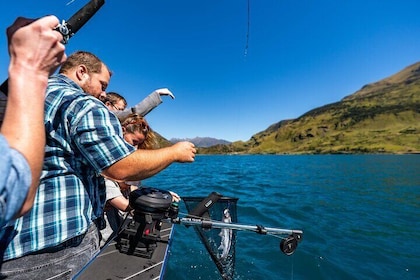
x: 83, y: 139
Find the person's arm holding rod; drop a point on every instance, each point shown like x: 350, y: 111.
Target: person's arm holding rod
x: 35, y: 52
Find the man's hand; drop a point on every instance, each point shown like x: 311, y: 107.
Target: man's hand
x: 184, y: 151
x: 165, y: 91
x: 43, y: 52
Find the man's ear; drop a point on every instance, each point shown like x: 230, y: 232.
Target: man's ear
x: 82, y: 73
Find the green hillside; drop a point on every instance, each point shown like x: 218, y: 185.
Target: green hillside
x: 382, y: 117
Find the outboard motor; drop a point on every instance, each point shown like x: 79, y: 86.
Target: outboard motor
x: 150, y: 206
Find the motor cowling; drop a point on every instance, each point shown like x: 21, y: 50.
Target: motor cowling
x: 150, y: 206
x: 150, y: 200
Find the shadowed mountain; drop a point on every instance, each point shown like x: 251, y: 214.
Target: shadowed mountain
x: 202, y: 142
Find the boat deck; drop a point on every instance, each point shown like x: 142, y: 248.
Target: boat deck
x: 112, y: 264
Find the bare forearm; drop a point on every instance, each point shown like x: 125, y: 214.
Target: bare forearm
x: 121, y: 203
x: 140, y: 165
x: 143, y: 164
x: 23, y: 122
x: 35, y: 51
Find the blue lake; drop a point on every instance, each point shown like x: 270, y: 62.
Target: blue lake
x: 360, y: 215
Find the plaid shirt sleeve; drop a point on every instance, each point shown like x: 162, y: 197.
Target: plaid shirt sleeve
x: 98, y: 136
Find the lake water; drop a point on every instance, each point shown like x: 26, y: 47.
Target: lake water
x: 360, y: 215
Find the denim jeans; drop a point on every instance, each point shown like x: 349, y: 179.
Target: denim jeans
x: 60, y: 262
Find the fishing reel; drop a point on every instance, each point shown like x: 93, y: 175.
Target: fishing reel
x: 65, y: 29
x: 150, y: 207
x: 289, y: 244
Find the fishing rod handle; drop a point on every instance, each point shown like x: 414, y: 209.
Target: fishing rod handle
x: 75, y: 22
x: 63, y: 28
x: 70, y: 27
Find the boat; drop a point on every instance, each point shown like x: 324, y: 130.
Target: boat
x: 112, y: 263
x: 140, y: 248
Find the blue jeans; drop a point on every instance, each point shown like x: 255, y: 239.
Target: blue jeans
x: 60, y: 262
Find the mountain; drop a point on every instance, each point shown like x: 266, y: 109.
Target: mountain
x: 202, y: 141
x: 382, y: 117
x: 162, y: 141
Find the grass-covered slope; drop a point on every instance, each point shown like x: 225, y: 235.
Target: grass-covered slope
x: 382, y: 117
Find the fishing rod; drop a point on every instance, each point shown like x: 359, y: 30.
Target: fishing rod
x: 69, y: 28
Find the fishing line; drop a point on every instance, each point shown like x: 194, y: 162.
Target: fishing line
x: 276, y: 236
x: 247, y: 33
x: 293, y: 268
x: 70, y: 2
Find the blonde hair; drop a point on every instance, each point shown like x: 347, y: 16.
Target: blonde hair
x: 137, y: 123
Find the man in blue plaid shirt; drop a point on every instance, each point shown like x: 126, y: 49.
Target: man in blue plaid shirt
x: 59, y: 236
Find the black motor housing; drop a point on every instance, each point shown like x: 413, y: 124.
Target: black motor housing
x: 150, y: 200
x: 150, y: 206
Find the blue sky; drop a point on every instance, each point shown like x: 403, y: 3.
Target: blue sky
x: 300, y: 55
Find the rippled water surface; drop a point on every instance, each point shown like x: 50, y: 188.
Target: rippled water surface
x: 360, y: 215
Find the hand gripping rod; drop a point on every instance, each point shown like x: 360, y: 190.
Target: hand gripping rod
x: 70, y: 27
